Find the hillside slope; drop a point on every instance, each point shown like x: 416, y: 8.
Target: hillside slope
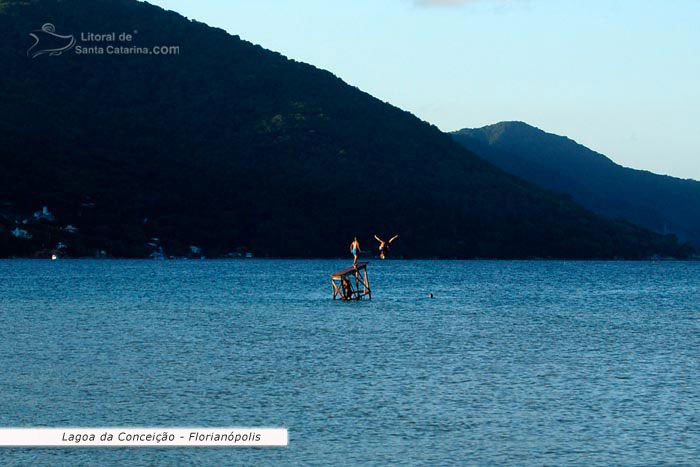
x: 658, y: 202
x: 228, y: 147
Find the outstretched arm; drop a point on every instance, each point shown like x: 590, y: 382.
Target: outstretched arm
x: 393, y: 238
x: 379, y: 239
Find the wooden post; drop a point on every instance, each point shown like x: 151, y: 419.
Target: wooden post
x: 369, y: 290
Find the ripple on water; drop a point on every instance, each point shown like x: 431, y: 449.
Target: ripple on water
x: 512, y: 362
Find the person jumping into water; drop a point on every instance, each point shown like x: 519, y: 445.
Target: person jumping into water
x: 384, y: 246
x: 355, y: 250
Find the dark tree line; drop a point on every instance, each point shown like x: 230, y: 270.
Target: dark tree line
x: 228, y: 146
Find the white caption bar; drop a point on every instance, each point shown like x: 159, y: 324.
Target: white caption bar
x: 143, y: 437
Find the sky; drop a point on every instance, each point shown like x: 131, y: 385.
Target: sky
x: 619, y: 76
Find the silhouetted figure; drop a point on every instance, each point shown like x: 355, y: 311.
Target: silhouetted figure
x: 384, y: 246
x: 347, y: 289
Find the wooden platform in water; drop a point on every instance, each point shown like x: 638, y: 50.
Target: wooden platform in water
x: 350, y: 270
x: 351, y: 283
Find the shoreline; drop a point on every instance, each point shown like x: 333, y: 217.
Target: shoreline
x: 539, y: 260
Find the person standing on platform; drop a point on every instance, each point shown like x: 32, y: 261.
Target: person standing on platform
x: 355, y: 250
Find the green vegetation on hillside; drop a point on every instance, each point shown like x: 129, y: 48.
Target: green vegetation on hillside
x: 230, y: 147
x: 658, y: 202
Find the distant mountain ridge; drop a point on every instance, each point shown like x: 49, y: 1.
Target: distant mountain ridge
x: 226, y: 148
x: 658, y: 202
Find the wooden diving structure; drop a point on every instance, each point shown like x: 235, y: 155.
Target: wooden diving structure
x: 351, y: 283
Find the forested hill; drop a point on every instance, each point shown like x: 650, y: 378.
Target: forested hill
x: 657, y: 202
x: 230, y: 148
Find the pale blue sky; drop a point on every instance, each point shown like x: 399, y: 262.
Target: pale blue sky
x: 619, y: 76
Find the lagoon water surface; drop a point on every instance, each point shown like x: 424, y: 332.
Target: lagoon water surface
x: 517, y: 363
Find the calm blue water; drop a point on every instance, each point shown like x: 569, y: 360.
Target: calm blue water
x: 518, y: 363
